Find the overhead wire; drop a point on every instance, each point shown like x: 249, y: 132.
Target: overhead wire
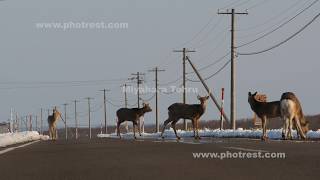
x: 280, y: 26
x: 284, y: 41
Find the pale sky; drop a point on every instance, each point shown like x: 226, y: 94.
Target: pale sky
x: 41, y: 68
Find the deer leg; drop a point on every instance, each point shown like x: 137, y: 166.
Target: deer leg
x: 173, y: 125
x: 197, y: 128
x: 139, y: 124
x: 164, y: 126
x: 54, y: 133
x: 290, y: 129
x: 134, y: 130
x: 193, y: 126
x: 118, y: 129
x: 299, y: 129
x: 264, y: 127
x: 50, y: 134
x: 284, y: 128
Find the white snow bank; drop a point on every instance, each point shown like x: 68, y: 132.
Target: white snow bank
x: 228, y: 133
x: 7, y: 139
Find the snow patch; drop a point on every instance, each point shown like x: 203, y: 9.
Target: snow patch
x: 7, y: 139
x: 217, y: 133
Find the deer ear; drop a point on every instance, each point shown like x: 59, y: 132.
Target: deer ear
x: 249, y: 93
x: 198, y: 96
x: 255, y: 93
x: 207, y: 97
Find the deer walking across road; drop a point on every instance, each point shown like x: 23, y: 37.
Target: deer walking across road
x: 193, y: 112
x: 133, y: 115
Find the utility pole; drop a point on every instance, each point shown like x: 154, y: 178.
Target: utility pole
x: 17, y: 122
x: 75, y: 117
x: 184, y: 53
x: 125, y: 102
x: 208, y: 90
x: 30, y: 122
x: 139, y: 81
x: 27, y: 123
x: 233, y: 66
x: 89, y: 115
x: 156, y: 70
x: 36, y: 122
x: 105, y: 109
x: 65, y: 120
x: 41, y: 122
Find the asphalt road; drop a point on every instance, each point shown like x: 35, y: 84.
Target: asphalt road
x: 155, y: 159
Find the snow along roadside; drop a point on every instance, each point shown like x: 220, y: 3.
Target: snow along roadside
x: 217, y: 133
x: 8, y: 139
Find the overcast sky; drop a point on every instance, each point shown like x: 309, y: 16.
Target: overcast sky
x: 38, y: 66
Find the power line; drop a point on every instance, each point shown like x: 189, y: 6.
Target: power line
x: 211, y: 64
x: 61, y: 82
x: 149, y: 99
x: 113, y: 104
x: 269, y: 20
x: 280, y: 26
x: 258, y: 4
x: 282, y: 42
x: 214, y: 74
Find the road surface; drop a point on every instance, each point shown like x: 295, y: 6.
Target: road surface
x: 156, y: 159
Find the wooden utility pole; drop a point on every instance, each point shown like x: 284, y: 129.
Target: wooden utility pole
x: 139, y: 81
x: 221, y: 111
x: 156, y: 70
x: 184, y: 53
x: 125, y: 103
x: 36, y: 122
x: 208, y: 90
x: 65, y: 120
x: 233, y: 66
x: 89, y: 115
x: 75, y: 117
x: 105, y: 109
x: 27, y: 123
x: 17, y: 122
x: 41, y: 122
x: 30, y: 122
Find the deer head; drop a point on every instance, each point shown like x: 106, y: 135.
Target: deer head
x: 203, y: 100
x: 146, y: 107
x: 251, y: 97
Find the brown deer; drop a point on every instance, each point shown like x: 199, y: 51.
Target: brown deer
x: 264, y: 110
x: 193, y: 112
x: 133, y: 115
x: 52, y: 121
x: 292, y: 114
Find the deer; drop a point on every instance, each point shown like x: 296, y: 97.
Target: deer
x: 133, y: 115
x: 193, y: 112
x: 292, y: 114
x: 264, y: 110
x: 52, y: 121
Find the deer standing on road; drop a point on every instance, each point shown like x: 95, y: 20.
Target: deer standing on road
x: 193, y: 112
x: 52, y: 121
x: 133, y: 115
x: 292, y: 114
x: 264, y: 110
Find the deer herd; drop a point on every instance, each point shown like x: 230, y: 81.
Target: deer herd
x: 288, y: 108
